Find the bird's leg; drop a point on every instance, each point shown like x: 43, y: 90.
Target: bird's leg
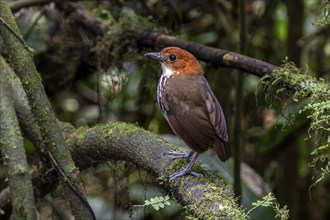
x: 177, y: 155
x: 187, y: 169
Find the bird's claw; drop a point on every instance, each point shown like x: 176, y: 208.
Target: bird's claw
x: 187, y: 169
x: 182, y: 173
x: 179, y: 155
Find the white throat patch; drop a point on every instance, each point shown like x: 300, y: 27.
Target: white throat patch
x: 167, y: 72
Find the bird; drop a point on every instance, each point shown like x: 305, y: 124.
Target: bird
x: 190, y: 107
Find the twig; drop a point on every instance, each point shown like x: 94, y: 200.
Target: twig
x: 68, y: 181
x: 4, y: 23
x: 17, y: 5
x: 34, y: 23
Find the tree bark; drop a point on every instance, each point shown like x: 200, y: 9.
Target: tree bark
x: 13, y: 154
x: 208, y: 196
x: 214, y: 56
x: 22, y: 107
x: 22, y: 63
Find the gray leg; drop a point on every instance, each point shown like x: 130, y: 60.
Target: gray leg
x: 187, y: 169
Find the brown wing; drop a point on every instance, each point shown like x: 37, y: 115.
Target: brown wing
x: 194, y: 128
x: 215, y: 113
x: 199, y: 121
x: 218, y: 121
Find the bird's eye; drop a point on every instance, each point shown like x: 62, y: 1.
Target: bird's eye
x: 172, y: 57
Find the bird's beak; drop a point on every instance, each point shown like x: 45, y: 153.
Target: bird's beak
x: 154, y: 55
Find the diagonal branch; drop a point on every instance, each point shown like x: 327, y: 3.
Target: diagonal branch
x: 13, y: 154
x: 214, y: 56
x: 25, y: 117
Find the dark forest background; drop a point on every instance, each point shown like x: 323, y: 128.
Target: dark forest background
x: 93, y: 78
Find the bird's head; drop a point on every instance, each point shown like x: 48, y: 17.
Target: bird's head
x: 176, y: 61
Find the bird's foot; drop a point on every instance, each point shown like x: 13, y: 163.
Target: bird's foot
x: 179, y: 155
x: 187, y: 169
x: 182, y: 173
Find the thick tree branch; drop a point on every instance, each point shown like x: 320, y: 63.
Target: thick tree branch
x: 13, y: 154
x: 214, y: 56
x: 23, y: 65
x: 207, y: 196
x: 91, y: 146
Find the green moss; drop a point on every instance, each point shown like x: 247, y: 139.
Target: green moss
x: 161, y: 180
x: 228, y: 209
x: 120, y: 41
x: 211, y: 185
x: 324, y: 19
x: 290, y: 85
x: 78, y: 135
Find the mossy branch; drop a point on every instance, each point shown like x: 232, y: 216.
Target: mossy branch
x: 214, y: 56
x: 23, y: 65
x: 13, y: 154
x: 207, y: 197
x: 132, y: 34
x: 22, y: 107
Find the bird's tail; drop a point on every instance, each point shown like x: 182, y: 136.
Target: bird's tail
x: 223, y: 149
